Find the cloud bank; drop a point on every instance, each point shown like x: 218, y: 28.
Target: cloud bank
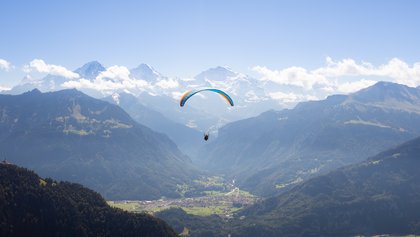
x: 5, y: 65
x: 4, y: 88
x: 330, y: 77
x: 115, y: 78
x: 40, y: 66
x: 286, y: 86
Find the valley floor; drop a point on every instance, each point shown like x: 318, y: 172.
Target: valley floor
x: 223, y: 204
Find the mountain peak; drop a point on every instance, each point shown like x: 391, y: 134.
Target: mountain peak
x: 145, y: 67
x: 222, y: 68
x: 219, y: 69
x: 383, y: 91
x: 33, y: 92
x: 216, y: 73
x: 69, y: 92
x: 383, y: 85
x: 90, y: 70
x: 145, y: 72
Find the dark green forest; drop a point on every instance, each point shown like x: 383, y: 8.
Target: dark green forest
x: 32, y: 206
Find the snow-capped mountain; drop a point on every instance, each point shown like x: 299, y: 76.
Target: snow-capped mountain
x: 90, y: 70
x: 50, y: 82
x: 250, y: 97
x: 206, y: 111
x: 146, y: 72
x: 284, y: 146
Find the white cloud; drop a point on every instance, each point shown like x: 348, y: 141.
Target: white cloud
x: 329, y: 76
x: 5, y: 65
x: 192, y: 86
x: 177, y: 95
x: 396, y: 70
x: 115, y: 73
x: 116, y: 98
x: 187, y: 79
x: 290, y: 97
x: 345, y: 67
x: 167, y: 84
x: 348, y: 87
x: 251, y: 96
x: 115, y: 78
x: 30, y: 80
x: 40, y: 66
x: 81, y: 83
x: 292, y: 76
x: 224, y: 85
x: 4, y: 88
x: 401, y: 72
x: 287, y: 85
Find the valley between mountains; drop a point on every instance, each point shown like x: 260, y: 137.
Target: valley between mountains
x: 338, y: 161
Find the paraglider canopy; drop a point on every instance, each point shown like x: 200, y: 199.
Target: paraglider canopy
x: 188, y: 95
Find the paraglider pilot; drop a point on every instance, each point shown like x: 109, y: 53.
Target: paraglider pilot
x: 188, y: 94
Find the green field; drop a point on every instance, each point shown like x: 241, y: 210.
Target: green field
x: 126, y: 206
x: 200, y: 211
x: 210, y: 210
x: 213, y: 203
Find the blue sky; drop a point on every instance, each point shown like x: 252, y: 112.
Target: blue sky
x: 183, y: 38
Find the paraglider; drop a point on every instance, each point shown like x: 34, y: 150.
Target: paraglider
x: 189, y: 94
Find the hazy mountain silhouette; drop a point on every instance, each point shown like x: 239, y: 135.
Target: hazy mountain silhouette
x: 68, y: 135
x: 187, y: 139
x: 272, y: 152
x: 50, y: 82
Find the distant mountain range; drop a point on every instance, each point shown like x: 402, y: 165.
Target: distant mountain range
x: 157, y: 100
x: 380, y: 195
x: 161, y: 94
x: 68, y: 135
x: 276, y: 150
x: 34, y: 206
x: 54, y: 83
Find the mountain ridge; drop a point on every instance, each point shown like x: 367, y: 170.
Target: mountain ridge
x: 92, y: 142
x: 379, y: 196
x: 269, y: 152
x: 187, y: 139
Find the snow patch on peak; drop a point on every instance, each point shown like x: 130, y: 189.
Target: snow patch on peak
x: 216, y: 74
x: 90, y: 70
x: 146, y: 72
x: 28, y: 79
